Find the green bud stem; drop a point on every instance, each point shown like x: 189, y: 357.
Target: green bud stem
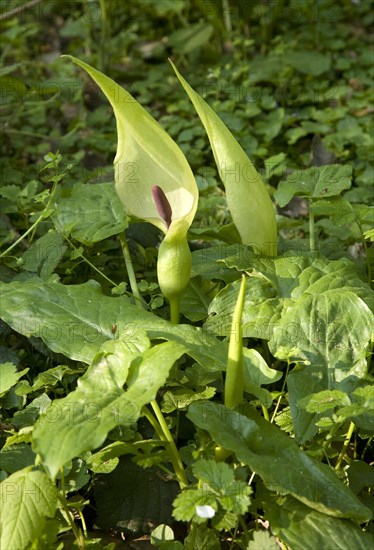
x: 174, y: 270
x: 234, y: 383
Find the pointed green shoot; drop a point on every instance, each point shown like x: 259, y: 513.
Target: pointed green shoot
x: 147, y: 157
x: 234, y: 383
x: 247, y: 198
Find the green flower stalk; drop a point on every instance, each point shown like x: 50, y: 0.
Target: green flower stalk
x: 154, y: 182
x: 234, y: 383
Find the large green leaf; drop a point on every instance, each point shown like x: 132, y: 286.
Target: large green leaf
x: 147, y: 157
x: 27, y: 499
x: 77, y: 319
x: 247, y: 198
x: 327, y: 335
x: 277, y: 459
x: 90, y: 213
x: 313, y: 312
x: 81, y: 421
x: 300, y: 527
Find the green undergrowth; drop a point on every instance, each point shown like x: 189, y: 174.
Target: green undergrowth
x: 113, y: 420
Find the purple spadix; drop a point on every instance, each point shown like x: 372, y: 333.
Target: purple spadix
x: 162, y: 205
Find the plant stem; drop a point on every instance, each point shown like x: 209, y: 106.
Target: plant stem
x: 164, y: 434
x: 174, y: 309
x: 265, y: 412
x: 77, y: 532
x: 281, y: 394
x: 347, y: 440
x: 34, y: 225
x: 311, y: 227
x: 130, y: 271
x: 21, y: 237
x: 174, y: 454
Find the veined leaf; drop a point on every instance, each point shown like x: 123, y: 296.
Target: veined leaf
x: 247, y: 198
x: 277, y: 459
x: 301, y: 527
x: 90, y: 213
x: 76, y: 320
x: 27, y: 498
x: 81, y: 421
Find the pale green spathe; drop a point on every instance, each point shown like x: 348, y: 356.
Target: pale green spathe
x: 147, y: 156
x: 247, y: 198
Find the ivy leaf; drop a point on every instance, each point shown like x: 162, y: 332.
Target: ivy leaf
x: 9, y: 376
x: 315, y: 182
x: 308, y: 62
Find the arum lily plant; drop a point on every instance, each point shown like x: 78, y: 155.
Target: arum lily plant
x: 154, y: 182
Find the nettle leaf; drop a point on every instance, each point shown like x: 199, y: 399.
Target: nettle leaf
x: 299, y: 526
x: 262, y: 540
x: 247, y: 197
x: 81, y: 421
x: 277, y: 459
x: 9, y: 376
x: 44, y: 254
x: 315, y: 182
x: 324, y: 401
x: 28, y: 498
x: 90, y: 213
x: 180, y: 398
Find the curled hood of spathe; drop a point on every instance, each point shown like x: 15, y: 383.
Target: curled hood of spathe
x: 146, y: 157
